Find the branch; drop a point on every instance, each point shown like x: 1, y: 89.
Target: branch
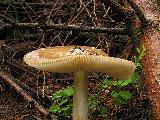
x: 129, y: 17
x: 114, y: 4
x: 139, y: 13
x: 43, y: 100
x: 18, y: 4
x: 8, y: 79
x: 67, y: 27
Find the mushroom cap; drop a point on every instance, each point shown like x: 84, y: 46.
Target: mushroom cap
x: 65, y: 59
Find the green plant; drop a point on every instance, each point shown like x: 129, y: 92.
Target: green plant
x: 96, y: 109
x: 62, y: 105
x: 120, y: 83
x: 121, y: 97
x: 62, y: 102
x: 140, y: 54
x: 92, y: 101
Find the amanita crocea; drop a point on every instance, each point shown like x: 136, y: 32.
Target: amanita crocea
x: 80, y: 60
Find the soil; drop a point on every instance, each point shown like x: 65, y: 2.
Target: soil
x: 13, y: 107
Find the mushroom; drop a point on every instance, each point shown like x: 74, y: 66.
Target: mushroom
x: 80, y: 60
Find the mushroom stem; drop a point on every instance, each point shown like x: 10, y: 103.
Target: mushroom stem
x: 80, y: 97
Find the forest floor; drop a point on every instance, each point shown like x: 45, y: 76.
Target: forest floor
x: 14, y: 107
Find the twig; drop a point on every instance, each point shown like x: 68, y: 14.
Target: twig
x: 17, y: 4
x: 44, y: 100
x: 94, y: 8
x: 8, y: 79
x: 7, y: 19
x: 129, y: 22
x: 19, y: 67
x: 26, y: 4
x: 68, y: 28
x: 25, y: 37
x: 7, y: 8
x: 18, y: 49
x: 51, y: 11
x: 80, y: 11
x: 114, y: 4
x: 39, y: 20
x: 127, y: 13
x: 129, y: 18
x: 106, y: 13
x: 26, y: 11
x: 81, y: 2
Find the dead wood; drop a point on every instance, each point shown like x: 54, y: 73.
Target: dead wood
x: 151, y: 61
x: 151, y: 67
x: 119, y: 8
x: 66, y: 27
x: 139, y: 13
x: 19, y: 49
x: 19, y: 67
x: 129, y: 19
x: 9, y: 80
x: 18, y: 4
x: 8, y: 20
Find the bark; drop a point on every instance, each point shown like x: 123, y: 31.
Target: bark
x: 151, y: 62
x: 151, y: 67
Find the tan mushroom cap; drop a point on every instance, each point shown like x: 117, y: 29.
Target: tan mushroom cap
x: 66, y: 59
